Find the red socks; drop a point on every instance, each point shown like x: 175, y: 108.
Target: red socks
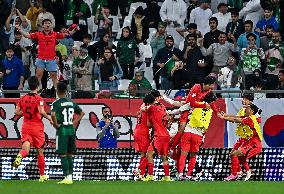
x: 150, y: 168
x: 191, y: 165
x: 23, y: 153
x: 41, y: 164
x: 176, y: 139
x: 181, y: 164
x: 142, y: 165
x: 235, y: 165
x: 166, y: 169
x: 244, y: 162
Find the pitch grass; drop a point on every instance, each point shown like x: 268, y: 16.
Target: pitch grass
x: 131, y: 187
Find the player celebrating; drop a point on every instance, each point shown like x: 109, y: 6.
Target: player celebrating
x: 250, y: 132
x: 142, y: 140
x: 31, y: 106
x: 46, y: 48
x: 62, y: 113
x: 193, y: 135
x: 160, y: 145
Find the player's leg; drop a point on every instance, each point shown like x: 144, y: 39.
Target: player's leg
x: 41, y: 165
x: 150, y: 158
x: 166, y: 168
x: 71, y: 149
x: 181, y: 163
x: 22, y: 154
x: 162, y: 146
x: 183, y: 121
x: 234, y: 164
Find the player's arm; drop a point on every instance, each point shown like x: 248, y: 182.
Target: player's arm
x: 171, y: 101
x: 43, y: 113
x: 231, y: 119
x: 18, y: 111
x: 54, y: 120
x: 80, y: 114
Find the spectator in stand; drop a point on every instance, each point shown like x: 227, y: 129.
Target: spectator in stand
x: 103, y: 21
x: 274, y: 59
x: 173, y: 11
x: 251, y: 59
x: 267, y: 20
x: 43, y: 15
x: 5, y: 10
x: 62, y: 49
x: 229, y: 79
x: 20, y: 20
x: 221, y: 51
x: 179, y: 75
x: 97, y: 4
x: 32, y: 13
x: 107, y: 130
x: 235, y: 27
x: 158, y: 42
x: 195, y: 61
x: 127, y: 53
x: 139, y: 26
x: 46, y: 49
x: 100, y: 46
x: 258, y: 86
x: 222, y: 16
x: 108, y: 71
x: 83, y: 71
x: 73, y: 58
x: 200, y: 16
x: 87, y: 38
x: 152, y: 13
x: 190, y: 29
x: 213, y: 35
x: 56, y: 7
x: 280, y: 85
x: 67, y: 41
x: 252, y: 11
x: 13, y: 73
x: 192, y: 5
x: 242, y: 40
x: 169, y: 52
x: 266, y: 39
x: 78, y: 13
x: 123, y: 7
x: 139, y: 86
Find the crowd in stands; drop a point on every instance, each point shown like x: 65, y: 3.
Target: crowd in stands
x: 166, y: 44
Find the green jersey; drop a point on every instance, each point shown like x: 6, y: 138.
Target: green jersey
x: 64, y: 109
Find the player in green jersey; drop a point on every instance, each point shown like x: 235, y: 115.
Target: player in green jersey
x: 62, y: 114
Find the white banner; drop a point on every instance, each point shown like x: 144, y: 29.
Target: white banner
x: 272, y: 124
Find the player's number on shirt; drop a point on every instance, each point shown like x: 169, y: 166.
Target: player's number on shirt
x: 28, y: 112
x: 68, y: 114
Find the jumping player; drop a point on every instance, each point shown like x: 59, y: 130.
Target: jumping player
x: 62, y: 113
x: 31, y: 107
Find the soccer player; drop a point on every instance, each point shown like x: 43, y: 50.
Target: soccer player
x: 31, y: 107
x: 142, y: 140
x: 158, y: 119
x: 46, y: 49
x: 193, y: 135
x: 62, y: 113
x: 250, y: 132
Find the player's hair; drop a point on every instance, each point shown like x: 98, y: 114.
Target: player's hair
x: 46, y: 20
x: 155, y: 93
x: 210, y: 97
x: 149, y: 99
x: 208, y: 80
x: 33, y: 83
x: 61, y: 87
x: 248, y: 96
x: 255, y: 109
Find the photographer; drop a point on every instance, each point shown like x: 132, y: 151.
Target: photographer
x: 107, y: 130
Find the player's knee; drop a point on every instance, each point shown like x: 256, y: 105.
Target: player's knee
x: 192, y: 154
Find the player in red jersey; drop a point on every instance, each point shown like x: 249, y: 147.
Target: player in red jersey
x: 250, y: 143
x: 31, y: 107
x: 158, y: 119
x: 142, y: 140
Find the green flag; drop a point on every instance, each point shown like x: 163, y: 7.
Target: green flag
x: 169, y: 65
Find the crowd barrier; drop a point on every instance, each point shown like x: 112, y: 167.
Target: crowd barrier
x: 118, y: 164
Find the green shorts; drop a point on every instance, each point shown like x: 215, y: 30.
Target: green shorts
x: 65, y: 144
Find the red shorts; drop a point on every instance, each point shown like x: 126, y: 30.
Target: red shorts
x: 160, y: 145
x: 239, y: 143
x: 33, y: 134
x: 142, y: 143
x: 184, y: 117
x: 251, y: 147
x: 191, y: 142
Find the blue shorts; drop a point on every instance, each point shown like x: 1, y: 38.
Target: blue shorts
x: 49, y: 65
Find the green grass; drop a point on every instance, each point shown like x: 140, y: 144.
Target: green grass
x: 131, y: 187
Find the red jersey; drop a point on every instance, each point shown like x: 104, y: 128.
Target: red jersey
x: 141, y: 125
x: 29, y: 105
x: 158, y: 116
x: 248, y: 121
x: 196, y: 96
x: 46, y: 44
